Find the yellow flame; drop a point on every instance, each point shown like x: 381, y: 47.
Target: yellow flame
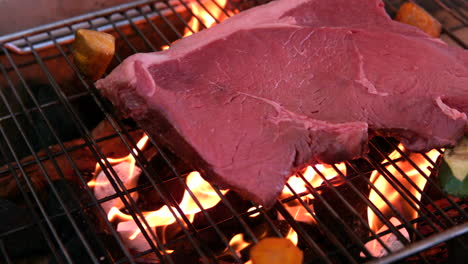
x: 254, y: 214
x: 115, y: 213
x: 238, y: 243
x: 292, y: 235
x: 207, y: 19
x: 201, y: 189
x: 299, y: 185
x: 129, y: 158
x: 394, y: 196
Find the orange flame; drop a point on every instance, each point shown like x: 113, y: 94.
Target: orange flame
x: 394, y: 196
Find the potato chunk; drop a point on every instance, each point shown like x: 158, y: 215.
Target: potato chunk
x: 273, y: 250
x: 412, y: 14
x: 92, y: 52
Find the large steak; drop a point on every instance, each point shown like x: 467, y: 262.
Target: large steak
x: 290, y: 83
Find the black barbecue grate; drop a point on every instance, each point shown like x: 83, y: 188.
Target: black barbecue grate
x: 51, y: 215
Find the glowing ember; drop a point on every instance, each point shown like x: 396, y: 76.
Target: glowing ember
x: 394, y: 196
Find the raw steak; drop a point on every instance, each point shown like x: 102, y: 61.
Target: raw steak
x: 291, y: 83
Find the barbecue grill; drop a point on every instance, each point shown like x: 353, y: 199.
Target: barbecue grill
x: 54, y: 143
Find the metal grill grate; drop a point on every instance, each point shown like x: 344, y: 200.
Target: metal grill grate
x: 52, y: 214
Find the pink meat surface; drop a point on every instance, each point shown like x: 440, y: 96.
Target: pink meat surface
x: 291, y: 83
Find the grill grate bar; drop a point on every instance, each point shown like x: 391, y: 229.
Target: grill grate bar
x: 403, y: 192
x: 236, y: 214
x: 445, y: 30
x: 42, y: 168
x: 4, y: 252
x: 44, y: 232
x: 112, y: 120
x: 193, y: 197
x: 432, y: 183
x: 457, y: 15
x: 224, y: 201
x: 202, y: 24
x: 180, y: 19
x: 324, y: 228
x: 348, y: 206
x: 300, y: 231
x: 394, y: 229
x: 365, y: 199
x: 417, y: 202
x: 86, y: 136
x: 167, y: 22
x: 422, y: 245
x: 31, y: 189
x: 155, y: 28
x: 149, y: 173
x: 138, y: 31
x: 437, y: 219
x: 212, y: 223
x: 43, y: 106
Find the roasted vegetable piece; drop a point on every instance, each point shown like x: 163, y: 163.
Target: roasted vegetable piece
x: 453, y: 174
x: 273, y: 250
x: 92, y: 52
x: 412, y: 14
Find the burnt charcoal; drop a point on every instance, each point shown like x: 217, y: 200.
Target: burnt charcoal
x: 220, y: 211
x: 28, y: 238
x: 150, y: 200
x: 207, y: 238
x: 100, y: 243
x: 59, y: 118
x: 344, y: 214
x: 67, y: 194
x: 163, y: 168
x: 79, y: 254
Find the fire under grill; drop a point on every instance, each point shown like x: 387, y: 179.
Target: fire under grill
x: 78, y: 184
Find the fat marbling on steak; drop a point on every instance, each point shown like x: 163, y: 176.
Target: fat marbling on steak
x: 290, y: 83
